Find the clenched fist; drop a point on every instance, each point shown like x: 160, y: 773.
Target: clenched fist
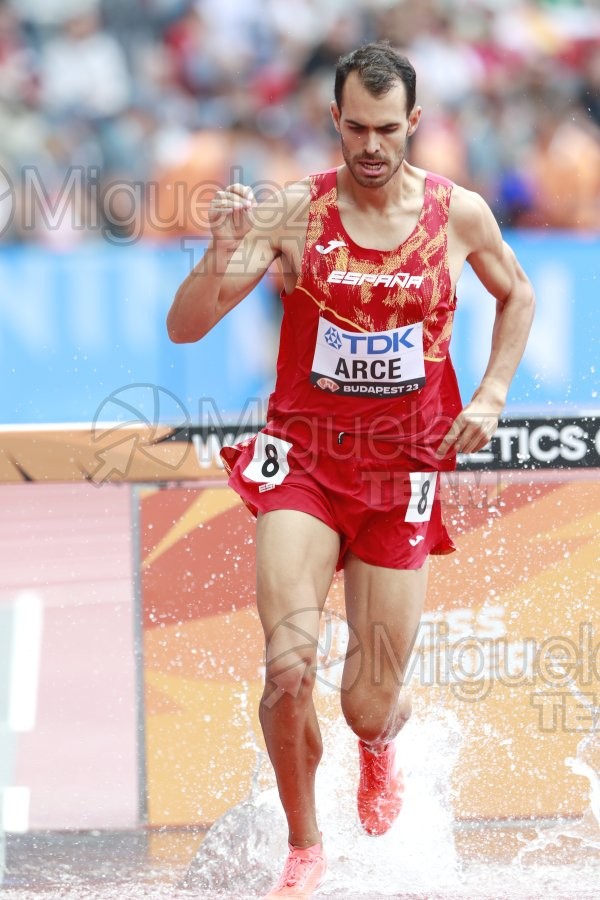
x: 229, y: 214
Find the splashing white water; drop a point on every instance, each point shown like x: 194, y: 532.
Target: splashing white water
x: 242, y: 854
x: 587, y: 763
x: 583, y: 833
x: 245, y: 849
x: 586, y: 831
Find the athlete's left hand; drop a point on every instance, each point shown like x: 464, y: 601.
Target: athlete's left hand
x: 472, y: 428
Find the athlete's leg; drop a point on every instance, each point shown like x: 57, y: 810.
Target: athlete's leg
x: 296, y: 559
x: 383, y: 608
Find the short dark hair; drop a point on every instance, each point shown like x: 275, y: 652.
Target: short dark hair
x: 379, y: 68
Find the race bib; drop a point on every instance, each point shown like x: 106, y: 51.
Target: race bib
x: 269, y: 463
x: 422, y: 493
x: 372, y: 364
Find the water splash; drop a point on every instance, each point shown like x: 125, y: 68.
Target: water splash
x: 578, y: 841
x: 587, y: 763
x: 243, y: 852
x: 418, y: 859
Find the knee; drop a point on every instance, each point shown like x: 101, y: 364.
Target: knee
x: 370, y: 729
x: 292, y: 674
x: 374, y: 722
x: 377, y: 731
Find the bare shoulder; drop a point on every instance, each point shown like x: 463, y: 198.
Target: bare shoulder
x: 300, y: 188
x: 287, y: 222
x: 297, y: 201
x: 284, y: 199
x: 475, y: 229
x: 282, y: 212
x: 472, y: 222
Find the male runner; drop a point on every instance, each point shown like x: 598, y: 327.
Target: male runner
x: 365, y: 414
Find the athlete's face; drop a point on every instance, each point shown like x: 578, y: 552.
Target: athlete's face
x: 374, y: 131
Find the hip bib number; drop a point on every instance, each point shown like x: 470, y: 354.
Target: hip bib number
x: 422, y: 493
x: 269, y: 462
x: 373, y: 364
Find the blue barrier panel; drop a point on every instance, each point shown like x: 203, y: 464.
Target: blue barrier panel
x: 560, y: 369
x: 80, y: 326
x: 77, y: 327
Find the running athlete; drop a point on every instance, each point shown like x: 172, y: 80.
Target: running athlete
x: 365, y: 414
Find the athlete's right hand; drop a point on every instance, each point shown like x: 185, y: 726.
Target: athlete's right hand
x: 229, y: 214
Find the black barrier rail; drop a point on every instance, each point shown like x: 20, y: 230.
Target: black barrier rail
x: 518, y: 443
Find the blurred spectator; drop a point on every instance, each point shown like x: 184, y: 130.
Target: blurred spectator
x: 589, y: 91
x: 84, y: 71
x: 183, y: 186
x: 52, y: 12
x: 147, y: 105
x: 17, y: 62
x: 565, y: 168
x: 450, y: 69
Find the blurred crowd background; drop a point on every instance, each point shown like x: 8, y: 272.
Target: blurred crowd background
x: 122, y: 117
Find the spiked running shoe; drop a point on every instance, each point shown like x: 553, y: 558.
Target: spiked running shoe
x: 302, y: 874
x: 380, y: 788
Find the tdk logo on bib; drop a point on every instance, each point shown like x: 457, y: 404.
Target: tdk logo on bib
x: 372, y: 344
x: 383, y: 342
x: 378, y: 364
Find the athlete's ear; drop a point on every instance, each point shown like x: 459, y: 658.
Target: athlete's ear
x: 413, y: 120
x: 335, y: 115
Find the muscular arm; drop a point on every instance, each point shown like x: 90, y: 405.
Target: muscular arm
x: 499, y: 271
x: 497, y: 268
x: 223, y: 277
x: 245, y: 241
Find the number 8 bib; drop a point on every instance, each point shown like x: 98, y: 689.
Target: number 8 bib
x: 269, y: 462
x: 422, y: 492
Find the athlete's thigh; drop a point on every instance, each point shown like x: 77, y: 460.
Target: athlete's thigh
x: 383, y: 609
x: 296, y: 556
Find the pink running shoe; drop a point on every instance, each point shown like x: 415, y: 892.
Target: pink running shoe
x: 380, y: 788
x: 303, y: 872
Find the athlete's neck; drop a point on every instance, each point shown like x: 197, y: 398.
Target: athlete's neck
x: 391, y: 195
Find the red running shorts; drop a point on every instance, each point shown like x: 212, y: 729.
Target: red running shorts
x: 384, y: 515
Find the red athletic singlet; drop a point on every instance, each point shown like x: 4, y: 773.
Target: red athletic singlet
x: 365, y: 334
x: 365, y: 388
